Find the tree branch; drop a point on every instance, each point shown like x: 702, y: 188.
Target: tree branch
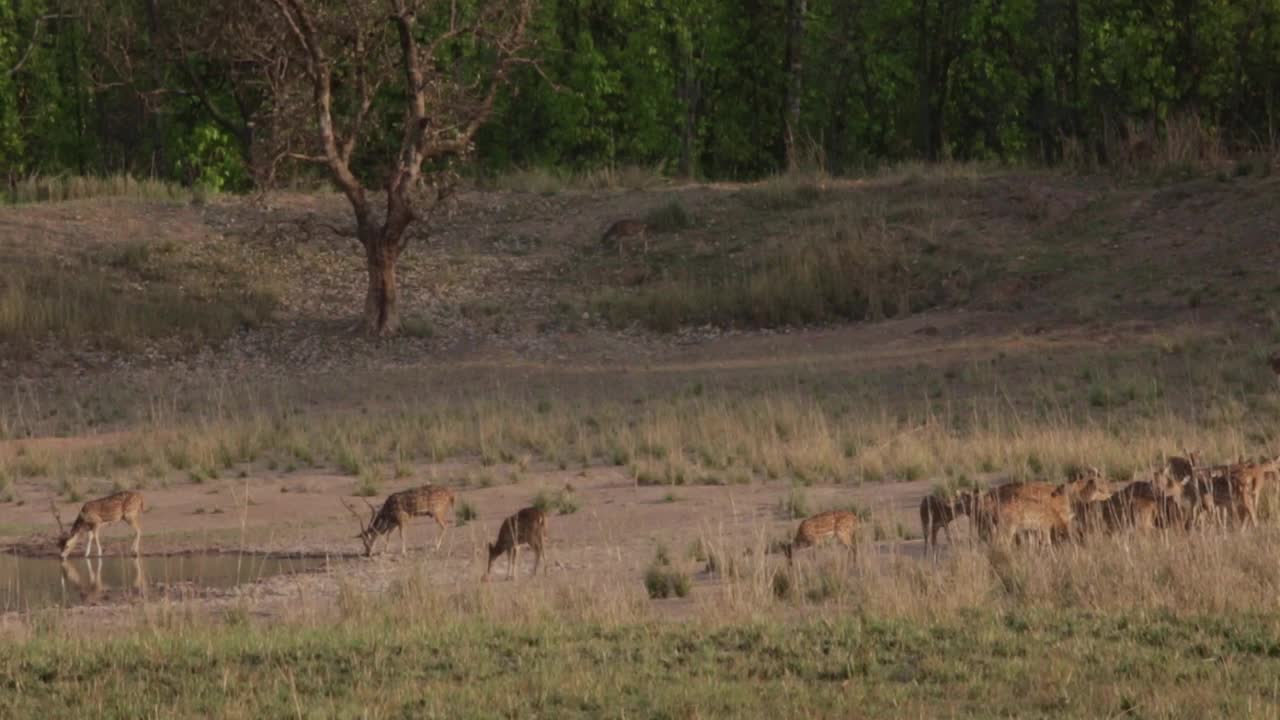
x: 35, y: 39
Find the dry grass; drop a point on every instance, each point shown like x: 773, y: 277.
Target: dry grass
x: 59, y: 188
x: 549, y: 182
x: 1011, y: 417
x: 851, y: 263
x: 123, y: 295
x: 1179, y: 626
x: 78, y: 304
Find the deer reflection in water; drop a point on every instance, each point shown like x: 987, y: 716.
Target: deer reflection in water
x: 94, y: 589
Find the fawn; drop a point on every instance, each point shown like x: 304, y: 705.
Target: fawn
x: 396, y: 511
x: 126, y: 506
x: 527, y: 527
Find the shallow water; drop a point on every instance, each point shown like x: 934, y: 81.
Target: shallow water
x: 29, y: 583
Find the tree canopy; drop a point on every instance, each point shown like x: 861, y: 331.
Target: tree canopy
x: 712, y: 88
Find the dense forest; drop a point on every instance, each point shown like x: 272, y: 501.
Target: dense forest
x: 703, y: 88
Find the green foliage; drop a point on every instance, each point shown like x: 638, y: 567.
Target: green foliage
x: 697, y: 87
x: 207, y: 158
x: 663, y: 580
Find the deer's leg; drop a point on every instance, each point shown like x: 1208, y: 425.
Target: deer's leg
x: 512, y: 557
x: 443, y: 529
x: 88, y: 547
x: 137, y: 535
x: 537, y: 561
x: 403, y: 551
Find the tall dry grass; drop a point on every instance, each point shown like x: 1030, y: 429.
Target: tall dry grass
x: 720, y: 435
x: 60, y: 188
x: 851, y: 263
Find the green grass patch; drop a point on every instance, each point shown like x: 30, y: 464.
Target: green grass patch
x: 988, y: 664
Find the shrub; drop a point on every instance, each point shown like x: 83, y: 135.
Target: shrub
x: 561, y: 502
x: 464, y: 513
x: 671, y: 217
x: 662, y: 580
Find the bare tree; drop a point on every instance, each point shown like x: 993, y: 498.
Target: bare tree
x: 339, y: 71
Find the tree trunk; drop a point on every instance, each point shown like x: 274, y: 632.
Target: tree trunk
x: 382, y: 301
x: 796, y: 11
x: 690, y: 94
x: 924, y: 75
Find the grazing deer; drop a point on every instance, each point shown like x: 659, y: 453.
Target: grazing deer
x: 838, y: 524
x: 937, y: 512
x: 622, y: 232
x: 527, y: 527
x: 396, y: 512
x: 126, y: 506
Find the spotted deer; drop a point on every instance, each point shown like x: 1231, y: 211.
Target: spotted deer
x: 1007, y: 512
x: 1143, y: 505
x: 839, y: 525
x: 398, y: 509
x: 527, y: 527
x: 126, y: 506
x: 1237, y: 489
x: 1223, y: 492
x: 626, y: 232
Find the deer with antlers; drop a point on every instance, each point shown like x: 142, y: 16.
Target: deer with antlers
x: 126, y: 506
x: 397, y: 510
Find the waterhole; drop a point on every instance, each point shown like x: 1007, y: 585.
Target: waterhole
x: 30, y: 583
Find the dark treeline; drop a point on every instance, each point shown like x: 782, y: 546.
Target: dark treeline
x: 708, y: 88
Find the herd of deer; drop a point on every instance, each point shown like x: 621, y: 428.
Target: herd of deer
x: 527, y: 527
x: 1180, y: 495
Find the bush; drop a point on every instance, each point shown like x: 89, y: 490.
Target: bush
x: 662, y: 580
x: 561, y: 502
x: 464, y: 513
x: 671, y: 217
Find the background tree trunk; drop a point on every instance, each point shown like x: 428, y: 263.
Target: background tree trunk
x: 382, y: 299
x: 796, y: 11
